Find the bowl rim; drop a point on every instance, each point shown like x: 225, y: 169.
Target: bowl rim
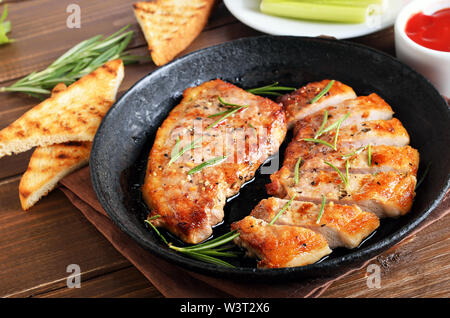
x: 353, y: 257
x: 403, y: 17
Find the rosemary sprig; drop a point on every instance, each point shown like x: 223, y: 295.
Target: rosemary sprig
x: 204, y: 251
x: 324, y: 122
x: 335, y: 125
x: 5, y: 27
x: 154, y: 227
x: 354, y: 153
x: 344, y: 179
x: 283, y: 209
x: 177, y: 154
x: 320, y: 141
x: 210, y: 162
x: 77, y: 62
x: 296, y: 170
x: 226, y: 103
x: 322, y: 130
x: 339, y: 123
x: 225, y: 114
x: 322, y: 208
x: 176, y: 149
x: 210, y: 250
x: 272, y: 89
x: 323, y: 92
x: 369, y: 154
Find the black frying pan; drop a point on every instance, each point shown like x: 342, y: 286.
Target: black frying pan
x: 124, y: 139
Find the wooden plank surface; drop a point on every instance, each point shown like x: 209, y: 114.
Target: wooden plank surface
x: 37, y: 246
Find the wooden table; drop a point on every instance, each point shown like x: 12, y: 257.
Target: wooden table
x: 37, y: 246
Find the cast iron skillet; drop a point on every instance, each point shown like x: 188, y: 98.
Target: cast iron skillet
x: 123, y: 141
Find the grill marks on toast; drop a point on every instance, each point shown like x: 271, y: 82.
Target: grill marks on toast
x: 62, y: 127
x: 71, y: 114
x: 169, y: 26
x: 47, y: 166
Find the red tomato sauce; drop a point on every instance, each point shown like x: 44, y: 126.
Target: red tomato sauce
x: 431, y: 31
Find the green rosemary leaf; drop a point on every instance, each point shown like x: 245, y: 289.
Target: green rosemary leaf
x: 344, y: 179
x: 207, y: 259
x: 80, y: 60
x: 320, y: 141
x: 323, y: 92
x: 296, y: 170
x: 322, y: 208
x: 218, y: 253
x: 272, y: 89
x: 221, y: 240
x: 25, y: 89
x: 369, y: 154
x: 269, y: 93
x: 205, y: 164
x: 340, y: 121
x: 178, y: 154
x: 219, y: 114
x: 225, y: 247
x: 176, y: 149
x: 283, y: 209
x: 335, y: 125
x: 226, y: 103
x: 205, y: 254
x: 354, y: 153
x: 225, y: 114
x: 324, y: 122
x: 155, y: 229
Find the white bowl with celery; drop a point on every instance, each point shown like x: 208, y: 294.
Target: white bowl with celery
x: 337, y: 18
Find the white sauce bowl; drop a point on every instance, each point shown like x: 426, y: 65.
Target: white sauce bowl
x: 434, y: 65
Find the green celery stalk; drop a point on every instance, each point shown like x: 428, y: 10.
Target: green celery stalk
x: 349, y: 3
x: 313, y: 11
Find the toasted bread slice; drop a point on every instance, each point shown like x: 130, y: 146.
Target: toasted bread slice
x: 169, y: 26
x: 50, y: 164
x: 47, y: 166
x: 71, y: 114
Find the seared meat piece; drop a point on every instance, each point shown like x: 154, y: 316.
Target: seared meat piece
x: 360, y: 109
x: 376, y: 132
x: 383, y: 159
x: 280, y: 245
x: 341, y: 225
x: 298, y: 103
x: 188, y: 201
x: 387, y: 194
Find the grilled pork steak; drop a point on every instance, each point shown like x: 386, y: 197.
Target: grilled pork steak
x: 280, y: 245
x: 298, y: 103
x: 347, y: 150
x: 189, y: 191
x: 360, y: 109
